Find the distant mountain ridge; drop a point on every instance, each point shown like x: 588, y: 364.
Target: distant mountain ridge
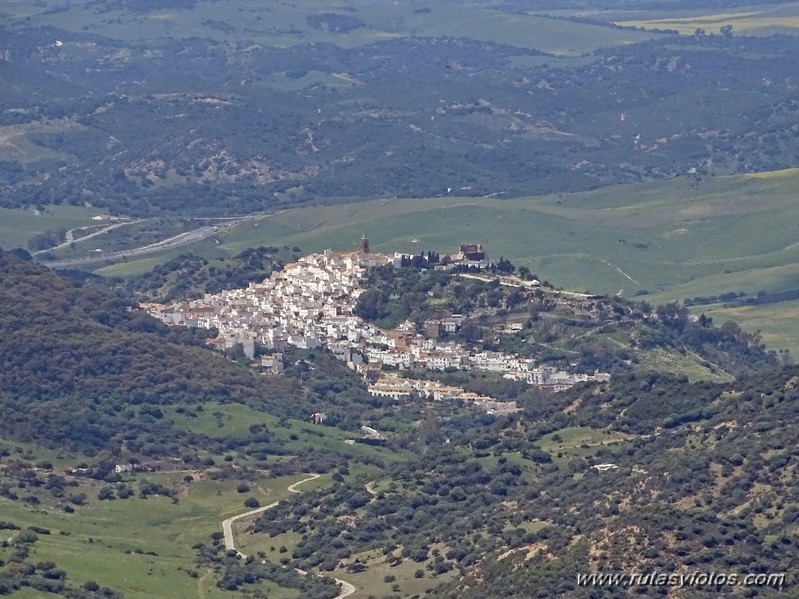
x: 235, y: 122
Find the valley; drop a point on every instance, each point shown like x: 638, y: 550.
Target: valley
x: 178, y: 463
x: 320, y: 299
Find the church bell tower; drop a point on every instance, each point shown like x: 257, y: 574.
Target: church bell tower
x: 363, y: 246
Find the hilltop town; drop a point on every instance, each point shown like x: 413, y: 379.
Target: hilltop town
x: 312, y: 304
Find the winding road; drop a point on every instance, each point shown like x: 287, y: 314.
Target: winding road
x: 181, y: 239
x: 370, y: 488
x: 70, y: 235
x: 347, y: 588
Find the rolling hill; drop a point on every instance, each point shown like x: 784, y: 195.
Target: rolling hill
x: 686, y: 238
x: 129, y: 443
x: 195, y: 110
x: 693, y: 478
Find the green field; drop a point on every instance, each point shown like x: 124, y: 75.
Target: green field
x: 659, y: 241
x: 285, y: 24
x: 109, y: 541
x: 674, y: 239
x: 778, y: 323
x: 16, y: 146
x: 17, y: 226
x: 576, y: 436
x: 234, y: 420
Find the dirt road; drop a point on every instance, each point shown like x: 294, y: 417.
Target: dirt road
x: 347, y: 589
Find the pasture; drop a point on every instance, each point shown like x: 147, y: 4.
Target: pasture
x: 674, y: 239
x: 575, y: 437
x: 233, y: 420
x: 287, y: 24
x: 778, y: 323
x: 143, y: 547
x: 754, y: 21
x: 659, y: 241
x: 15, y: 145
x: 17, y: 226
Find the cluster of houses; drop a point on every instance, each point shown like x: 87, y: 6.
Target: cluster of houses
x: 552, y: 379
x: 311, y: 304
x: 399, y: 388
x: 405, y: 350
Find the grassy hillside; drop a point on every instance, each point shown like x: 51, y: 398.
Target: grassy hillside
x: 778, y: 322
x: 143, y: 547
x: 17, y: 226
x: 746, y: 21
x: 315, y: 21
x: 675, y: 239
x: 516, y: 508
x: 679, y: 239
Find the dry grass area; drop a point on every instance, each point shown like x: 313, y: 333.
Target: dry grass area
x: 742, y: 22
x: 16, y: 146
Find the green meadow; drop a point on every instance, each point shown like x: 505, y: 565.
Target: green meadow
x: 287, y: 24
x: 143, y: 547
x: 16, y: 146
x: 576, y: 436
x: 673, y: 239
x: 17, y: 226
x: 778, y: 323
x: 659, y: 241
x: 233, y: 420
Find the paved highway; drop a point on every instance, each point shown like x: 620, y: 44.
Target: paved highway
x: 186, y: 238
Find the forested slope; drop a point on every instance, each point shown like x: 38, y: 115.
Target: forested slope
x: 466, y: 504
x: 704, y: 479
x: 82, y: 369
x: 221, y: 125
